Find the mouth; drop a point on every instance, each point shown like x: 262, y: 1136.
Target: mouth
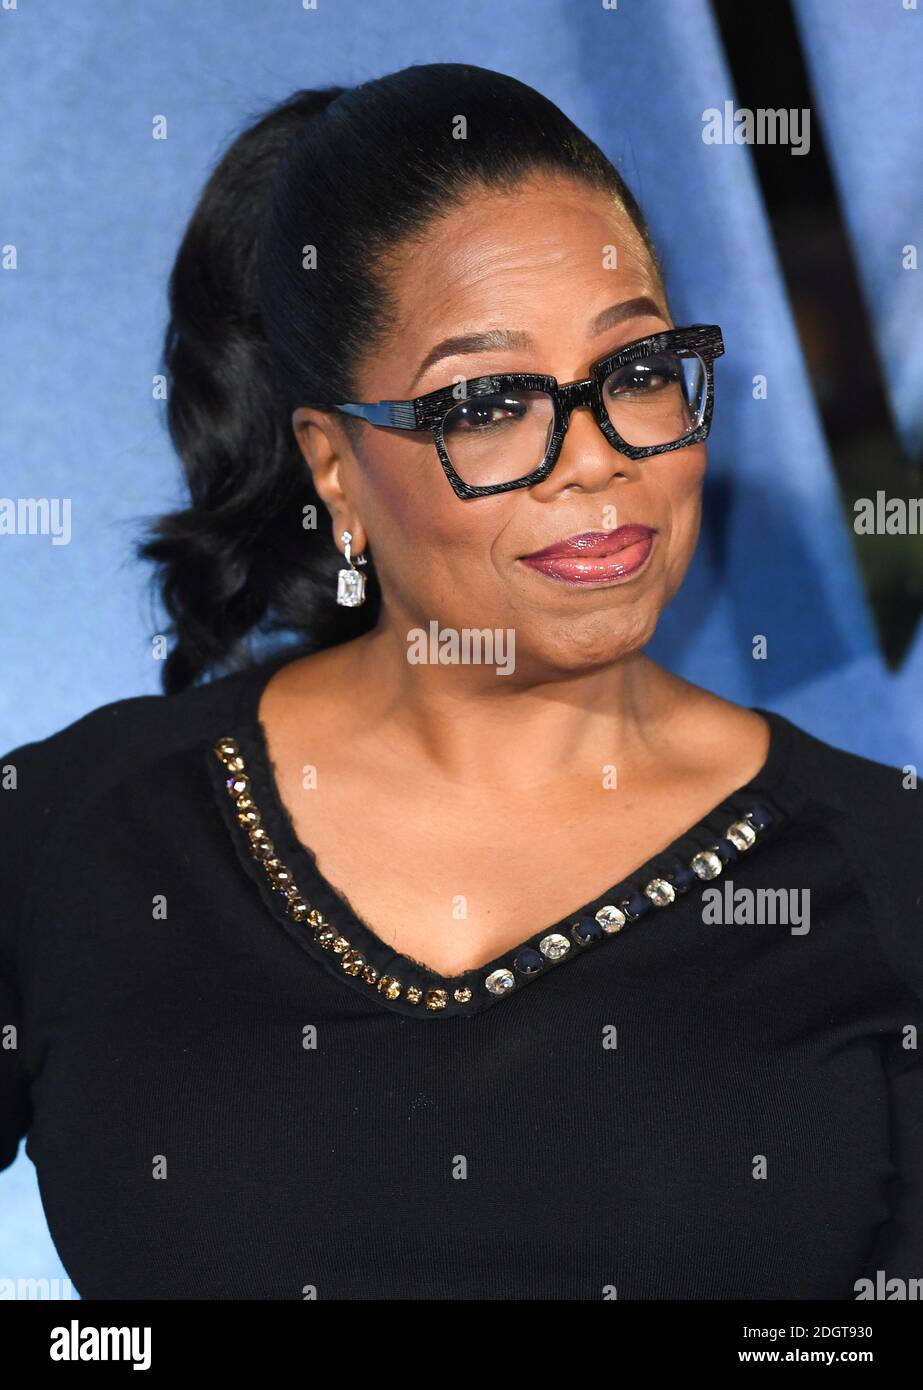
x: 595, y: 557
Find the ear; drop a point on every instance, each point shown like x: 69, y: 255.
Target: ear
x: 325, y: 446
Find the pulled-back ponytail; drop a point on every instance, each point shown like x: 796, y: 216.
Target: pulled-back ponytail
x: 351, y: 173
x: 239, y: 554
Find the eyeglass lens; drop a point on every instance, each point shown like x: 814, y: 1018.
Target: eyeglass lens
x: 503, y: 436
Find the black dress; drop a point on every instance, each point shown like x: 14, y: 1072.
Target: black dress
x: 704, y: 1084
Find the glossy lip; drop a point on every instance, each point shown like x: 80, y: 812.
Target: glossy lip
x: 595, y: 557
x: 594, y: 542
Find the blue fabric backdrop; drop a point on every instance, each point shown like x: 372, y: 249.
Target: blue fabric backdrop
x: 95, y: 208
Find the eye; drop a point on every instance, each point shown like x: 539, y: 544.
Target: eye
x: 645, y: 377
x: 481, y: 413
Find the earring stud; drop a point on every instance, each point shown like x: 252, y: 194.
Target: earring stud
x: 350, y: 582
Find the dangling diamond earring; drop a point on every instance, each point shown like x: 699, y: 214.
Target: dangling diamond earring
x: 350, y: 583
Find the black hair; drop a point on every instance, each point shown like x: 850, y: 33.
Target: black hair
x: 355, y: 173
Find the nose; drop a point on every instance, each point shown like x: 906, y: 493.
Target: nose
x: 586, y: 459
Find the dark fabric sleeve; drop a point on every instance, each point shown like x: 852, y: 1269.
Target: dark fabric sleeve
x: 898, y: 1249
x: 15, y: 1109
x: 892, y: 849
x: 41, y: 783
x: 21, y: 824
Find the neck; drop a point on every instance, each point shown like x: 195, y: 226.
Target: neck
x: 473, y: 724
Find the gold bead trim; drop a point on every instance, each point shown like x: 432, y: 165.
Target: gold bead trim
x: 281, y: 881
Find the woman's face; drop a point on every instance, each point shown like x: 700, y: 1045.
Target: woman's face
x: 535, y: 261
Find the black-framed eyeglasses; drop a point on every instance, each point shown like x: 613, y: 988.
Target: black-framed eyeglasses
x: 504, y: 431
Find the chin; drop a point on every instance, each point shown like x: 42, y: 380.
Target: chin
x: 591, y: 645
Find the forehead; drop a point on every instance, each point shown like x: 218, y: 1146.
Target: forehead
x: 543, y: 256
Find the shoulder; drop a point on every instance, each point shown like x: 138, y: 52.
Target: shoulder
x: 883, y: 800
x: 117, y: 737
x: 55, y: 781
x: 875, y: 810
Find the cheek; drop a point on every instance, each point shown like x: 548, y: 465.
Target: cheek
x: 682, y: 502
x: 404, y: 490
x: 689, y: 468
x: 682, y: 487
x: 409, y: 507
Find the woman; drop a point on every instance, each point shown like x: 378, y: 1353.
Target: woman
x: 463, y: 951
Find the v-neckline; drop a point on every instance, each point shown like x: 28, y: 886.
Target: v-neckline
x: 320, y: 917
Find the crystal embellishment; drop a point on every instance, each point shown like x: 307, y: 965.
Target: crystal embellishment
x: 741, y: 834
x: 706, y: 864
x: 529, y: 960
x: 660, y: 892
x: 350, y: 588
x: 554, y: 945
x: 610, y: 918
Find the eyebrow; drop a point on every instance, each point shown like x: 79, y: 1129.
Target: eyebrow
x: 497, y: 339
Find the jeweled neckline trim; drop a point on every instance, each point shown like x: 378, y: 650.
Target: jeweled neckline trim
x: 283, y: 868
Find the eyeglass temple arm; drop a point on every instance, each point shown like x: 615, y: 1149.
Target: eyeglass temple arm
x: 395, y: 415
